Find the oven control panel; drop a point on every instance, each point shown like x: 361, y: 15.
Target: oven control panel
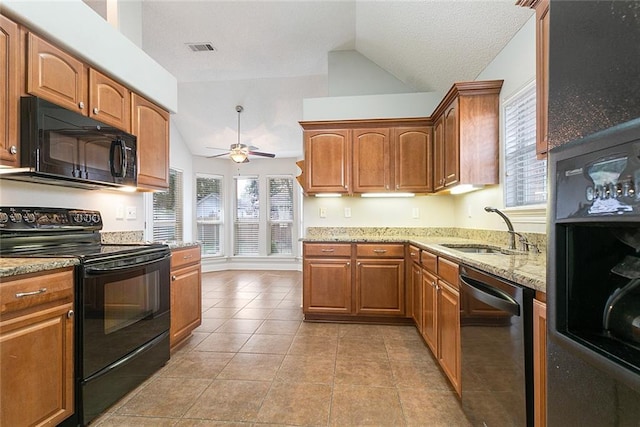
x: 30, y: 218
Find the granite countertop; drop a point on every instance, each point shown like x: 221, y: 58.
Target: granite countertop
x: 526, y: 269
x: 15, y: 266
x: 178, y: 244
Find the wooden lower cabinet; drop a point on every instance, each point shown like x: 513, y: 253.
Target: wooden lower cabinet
x: 429, y: 310
x: 36, y: 349
x: 380, y: 287
x: 186, y: 294
x: 540, y: 363
x: 327, y: 286
x: 448, y: 321
x: 417, y: 297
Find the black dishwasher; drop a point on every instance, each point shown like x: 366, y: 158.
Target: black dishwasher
x: 497, y: 352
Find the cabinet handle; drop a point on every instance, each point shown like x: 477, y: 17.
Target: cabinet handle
x: 187, y: 257
x: 81, y: 105
x: 328, y: 250
x: 95, y: 110
x: 380, y: 251
x: 173, y: 278
x: 413, y: 253
x: 70, y: 314
x: 13, y: 149
x: 28, y: 294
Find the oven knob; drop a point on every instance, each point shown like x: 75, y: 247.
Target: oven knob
x: 95, y: 218
x: 30, y: 217
x: 4, y: 217
x: 589, y: 194
x: 86, y: 217
x: 15, y: 217
x: 77, y: 217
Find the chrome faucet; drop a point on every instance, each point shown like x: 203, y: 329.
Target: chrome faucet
x: 512, y: 233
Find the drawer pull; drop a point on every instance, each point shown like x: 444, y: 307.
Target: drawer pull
x: 173, y: 278
x: 380, y: 251
x: 187, y: 257
x: 70, y: 314
x: 413, y: 254
x: 28, y: 294
x: 328, y: 250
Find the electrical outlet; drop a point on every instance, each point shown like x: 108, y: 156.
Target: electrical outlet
x: 347, y: 212
x: 131, y: 212
x: 323, y: 212
x: 415, y: 213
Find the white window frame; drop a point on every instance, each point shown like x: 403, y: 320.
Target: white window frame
x: 237, y: 221
x: 220, y: 222
x: 291, y: 221
x: 179, y: 223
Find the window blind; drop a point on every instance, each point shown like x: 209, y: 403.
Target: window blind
x: 167, y: 210
x: 247, y: 216
x: 209, y: 209
x: 525, y: 175
x: 280, y: 214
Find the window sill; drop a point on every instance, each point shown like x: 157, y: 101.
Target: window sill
x: 534, y: 214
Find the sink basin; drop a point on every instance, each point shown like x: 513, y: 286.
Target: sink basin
x: 479, y: 249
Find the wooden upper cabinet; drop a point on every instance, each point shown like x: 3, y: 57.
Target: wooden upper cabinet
x: 9, y: 81
x: 150, y: 124
x: 109, y: 101
x: 56, y: 76
x: 371, y: 160
x: 466, y: 135
x: 327, y: 161
x: 413, y: 159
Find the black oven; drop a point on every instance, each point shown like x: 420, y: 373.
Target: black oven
x: 122, y: 300
x: 593, y: 290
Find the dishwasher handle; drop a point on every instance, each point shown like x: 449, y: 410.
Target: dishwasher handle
x: 490, y: 295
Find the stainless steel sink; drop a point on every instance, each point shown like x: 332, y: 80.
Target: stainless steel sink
x: 476, y: 249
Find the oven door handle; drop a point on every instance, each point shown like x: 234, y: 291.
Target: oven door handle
x: 103, y: 270
x: 490, y: 295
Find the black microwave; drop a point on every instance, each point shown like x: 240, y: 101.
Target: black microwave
x: 62, y: 145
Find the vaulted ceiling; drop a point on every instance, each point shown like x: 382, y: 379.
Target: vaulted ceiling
x: 270, y: 55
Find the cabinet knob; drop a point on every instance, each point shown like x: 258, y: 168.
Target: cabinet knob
x: 13, y: 149
x: 81, y: 105
x: 433, y: 283
x: 70, y: 314
x: 173, y: 278
x: 348, y: 264
x: 397, y: 186
x: 96, y: 110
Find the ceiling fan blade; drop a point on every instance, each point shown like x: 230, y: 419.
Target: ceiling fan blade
x: 217, y: 148
x: 218, y: 155
x: 258, y: 153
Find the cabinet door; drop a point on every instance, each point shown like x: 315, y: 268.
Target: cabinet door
x: 186, y: 302
x: 56, y: 76
x: 327, y: 161
x: 109, y: 101
x: 451, y: 144
x: 429, y: 310
x: 540, y: 363
x: 542, y: 76
x: 380, y: 287
x: 327, y: 286
x: 36, y: 353
x: 413, y: 170
x: 449, y: 336
x: 9, y: 83
x: 438, y: 155
x: 371, y: 160
x: 417, y: 297
x: 150, y: 124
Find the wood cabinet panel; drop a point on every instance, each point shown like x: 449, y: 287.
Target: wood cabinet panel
x: 540, y: 363
x: 56, y: 76
x: 186, y: 303
x: 371, y: 160
x: 451, y: 145
x: 327, y: 161
x: 429, y: 261
x: 9, y: 85
x: 416, y: 295
x: 150, y: 124
x: 383, y: 250
x: 542, y: 77
x: 430, y: 307
x: 380, y: 287
x: 448, y: 271
x: 327, y: 249
x: 438, y: 155
x: 185, y: 256
x: 414, y: 254
x: 413, y: 159
x: 448, y: 320
x: 109, y: 101
x: 327, y: 286
x: 29, y: 290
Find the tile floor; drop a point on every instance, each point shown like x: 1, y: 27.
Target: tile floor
x: 254, y: 362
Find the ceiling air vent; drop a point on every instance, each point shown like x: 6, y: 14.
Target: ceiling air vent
x: 201, y: 47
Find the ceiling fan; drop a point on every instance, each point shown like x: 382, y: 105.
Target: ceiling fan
x: 238, y: 152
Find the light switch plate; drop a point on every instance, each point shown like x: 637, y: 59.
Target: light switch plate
x: 347, y: 212
x: 415, y: 213
x: 131, y: 212
x: 323, y: 212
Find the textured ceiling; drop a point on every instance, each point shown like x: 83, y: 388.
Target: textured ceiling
x: 272, y: 54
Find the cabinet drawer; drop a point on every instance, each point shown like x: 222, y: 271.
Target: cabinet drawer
x: 380, y: 250
x: 448, y: 271
x: 180, y: 257
x: 414, y: 253
x: 430, y: 262
x: 327, y: 249
x: 30, y: 290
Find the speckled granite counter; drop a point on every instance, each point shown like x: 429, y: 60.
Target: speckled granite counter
x: 526, y: 269
x: 179, y: 244
x: 15, y: 266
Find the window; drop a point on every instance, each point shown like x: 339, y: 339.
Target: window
x: 247, y: 216
x: 525, y: 175
x: 167, y: 209
x: 209, y: 208
x: 280, y: 214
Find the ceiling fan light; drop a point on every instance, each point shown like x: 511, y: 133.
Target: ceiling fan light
x: 238, y: 156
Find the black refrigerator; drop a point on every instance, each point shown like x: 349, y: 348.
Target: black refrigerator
x: 593, y: 268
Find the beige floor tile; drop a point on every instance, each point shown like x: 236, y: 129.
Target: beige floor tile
x: 320, y: 329
x: 365, y: 406
x: 253, y: 313
x: 223, y: 343
x: 363, y: 372
x: 277, y: 327
x: 438, y: 409
x: 286, y: 314
x: 129, y: 421
x: 251, y: 366
x: 296, y: 404
x: 408, y: 374
x: 240, y: 326
x: 263, y: 303
x: 314, y: 346
x: 362, y: 348
x: 229, y: 400
x: 210, y: 324
x: 220, y: 312
x: 371, y: 332
x: 209, y: 423
x: 271, y: 344
x: 198, y: 364
x: 153, y: 400
x: 301, y: 369
x: 233, y: 302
